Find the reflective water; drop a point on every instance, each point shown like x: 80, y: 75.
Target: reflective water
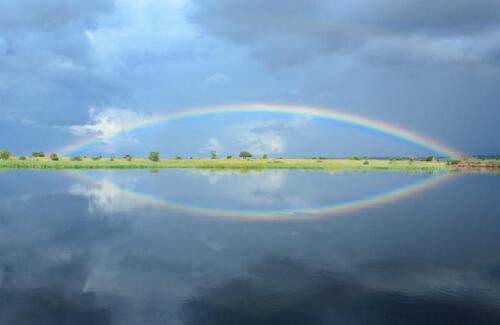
x: 203, y: 247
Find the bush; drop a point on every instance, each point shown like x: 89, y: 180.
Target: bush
x: 229, y: 157
x: 366, y: 162
x: 112, y: 159
x: 213, y: 154
x: 178, y: 158
x: 38, y: 154
x: 154, y: 156
x: 54, y: 157
x: 354, y: 158
x: 128, y: 157
x: 264, y: 156
x: 430, y: 158
x: 97, y: 158
x: 4, y: 154
x: 245, y: 154
x: 22, y: 158
x: 76, y: 158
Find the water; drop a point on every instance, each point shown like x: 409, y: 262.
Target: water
x: 269, y: 247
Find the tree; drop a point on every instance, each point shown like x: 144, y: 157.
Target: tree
x: 264, y: 156
x: 154, y: 156
x: 38, y: 154
x: 4, y: 154
x: 76, y: 158
x: 128, y: 157
x: 213, y: 154
x: 229, y: 157
x: 245, y: 154
x: 54, y: 156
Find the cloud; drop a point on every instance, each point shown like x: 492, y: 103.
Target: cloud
x: 283, y: 290
x: 285, y: 33
x: 266, y: 136
x: 106, y: 123
x: 46, y: 56
x: 216, y: 78
x: 104, y: 197
x: 213, y: 145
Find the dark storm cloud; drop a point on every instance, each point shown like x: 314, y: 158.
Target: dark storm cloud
x: 285, y: 291
x: 50, y: 14
x: 45, y: 56
x: 288, y: 32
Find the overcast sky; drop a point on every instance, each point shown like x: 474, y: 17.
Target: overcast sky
x: 74, y: 69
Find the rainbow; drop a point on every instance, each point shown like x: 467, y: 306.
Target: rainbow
x: 341, y: 208
x: 308, y: 111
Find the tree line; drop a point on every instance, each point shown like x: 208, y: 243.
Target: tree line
x: 153, y: 156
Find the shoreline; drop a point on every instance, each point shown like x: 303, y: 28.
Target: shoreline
x: 315, y: 164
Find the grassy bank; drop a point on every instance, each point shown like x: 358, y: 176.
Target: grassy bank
x: 327, y: 164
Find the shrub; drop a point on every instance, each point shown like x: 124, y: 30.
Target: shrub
x: 4, y: 154
x: 22, y: 158
x: 97, y: 158
x: 54, y: 157
x: 229, y: 157
x: 264, y: 156
x: 154, y: 156
x: 354, y: 158
x: 112, y: 159
x: 245, y: 154
x: 38, y: 154
x: 366, y: 162
x: 76, y: 158
x: 128, y: 157
x: 213, y: 154
x: 430, y: 158
x: 178, y: 158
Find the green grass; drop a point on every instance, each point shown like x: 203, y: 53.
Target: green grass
x: 325, y: 164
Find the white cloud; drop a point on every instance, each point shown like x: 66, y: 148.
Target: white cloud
x: 107, y: 123
x: 123, y: 34
x: 266, y: 142
x: 106, y: 197
x: 216, y: 78
x: 267, y: 136
x: 213, y: 144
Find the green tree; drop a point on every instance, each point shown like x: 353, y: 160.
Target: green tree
x: 264, y: 156
x: 38, y: 154
x: 245, y: 154
x: 229, y: 157
x: 213, y: 154
x: 128, y: 157
x: 430, y: 158
x: 76, y: 158
x: 4, y: 154
x: 54, y: 156
x: 154, y: 156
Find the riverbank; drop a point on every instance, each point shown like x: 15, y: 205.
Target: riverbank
x: 123, y: 163
x: 327, y: 164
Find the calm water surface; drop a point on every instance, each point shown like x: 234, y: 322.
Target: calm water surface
x: 232, y: 248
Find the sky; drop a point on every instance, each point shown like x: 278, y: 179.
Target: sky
x: 73, y: 70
